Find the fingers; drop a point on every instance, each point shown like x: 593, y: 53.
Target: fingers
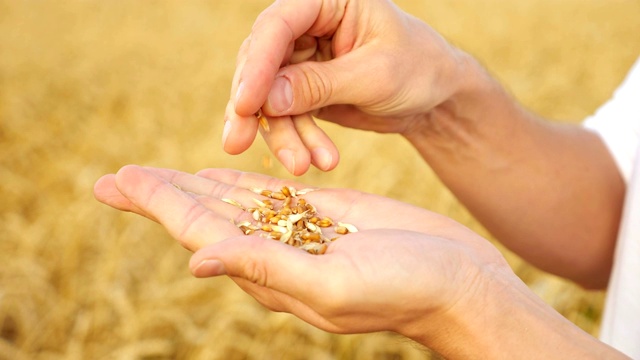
x: 310, y: 85
x: 186, y: 219
x: 291, y: 33
x: 198, y: 185
x: 247, y: 180
x: 263, y: 262
x: 324, y: 153
x: 273, y: 32
x: 105, y: 191
x: 277, y: 38
x: 293, y: 285
x: 284, y: 141
x: 238, y: 132
x: 305, y: 49
x: 298, y: 142
x: 176, y: 199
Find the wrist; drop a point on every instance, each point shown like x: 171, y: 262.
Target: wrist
x: 451, y: 329
x: 473, y: 94
x: 502, y: 318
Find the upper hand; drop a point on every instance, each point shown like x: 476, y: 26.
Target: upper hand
x: 361, y: 64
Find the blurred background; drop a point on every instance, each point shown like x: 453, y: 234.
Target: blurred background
x: 87, y: 86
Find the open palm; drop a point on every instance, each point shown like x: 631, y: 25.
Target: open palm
x: 403, y: 261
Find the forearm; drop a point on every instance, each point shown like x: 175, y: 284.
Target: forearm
x: 508, y: 322
x: 549, y: 192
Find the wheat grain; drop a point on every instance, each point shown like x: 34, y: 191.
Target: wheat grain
x: 291, y: 220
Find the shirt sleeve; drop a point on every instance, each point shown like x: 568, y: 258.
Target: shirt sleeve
x: 618, y: 122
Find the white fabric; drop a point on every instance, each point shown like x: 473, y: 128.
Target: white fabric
x: 618, y: 123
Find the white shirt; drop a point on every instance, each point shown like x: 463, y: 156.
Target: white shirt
x: 618, y: 123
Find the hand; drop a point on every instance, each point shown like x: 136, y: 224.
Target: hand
x: 360, y: 64
x: 404, y: 263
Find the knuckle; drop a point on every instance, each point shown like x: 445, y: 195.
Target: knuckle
x: 242, y: 52
x: 188, y: 234
x: 255, y: 271
x: 319, y: 88
x: 219, y: 190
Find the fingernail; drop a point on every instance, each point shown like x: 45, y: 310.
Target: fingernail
x: 225, y: 131
x: 288, y: 159
x: 322, y: 158
x: 208, y: 268
x: 239, y: 91
x: 281, y: 95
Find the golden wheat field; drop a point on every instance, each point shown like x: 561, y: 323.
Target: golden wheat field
x: 87, y: 86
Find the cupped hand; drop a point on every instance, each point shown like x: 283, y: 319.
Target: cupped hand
x: 360, y: 64
x: 404, y: 263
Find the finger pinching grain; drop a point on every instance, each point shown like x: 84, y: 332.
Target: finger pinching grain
x: 262, y: 120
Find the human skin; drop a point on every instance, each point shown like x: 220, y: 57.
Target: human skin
x: 549, y: 192
x: 406, y: 270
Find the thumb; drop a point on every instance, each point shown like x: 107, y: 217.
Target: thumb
x: 264, y: 262
x: 300, y: 88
